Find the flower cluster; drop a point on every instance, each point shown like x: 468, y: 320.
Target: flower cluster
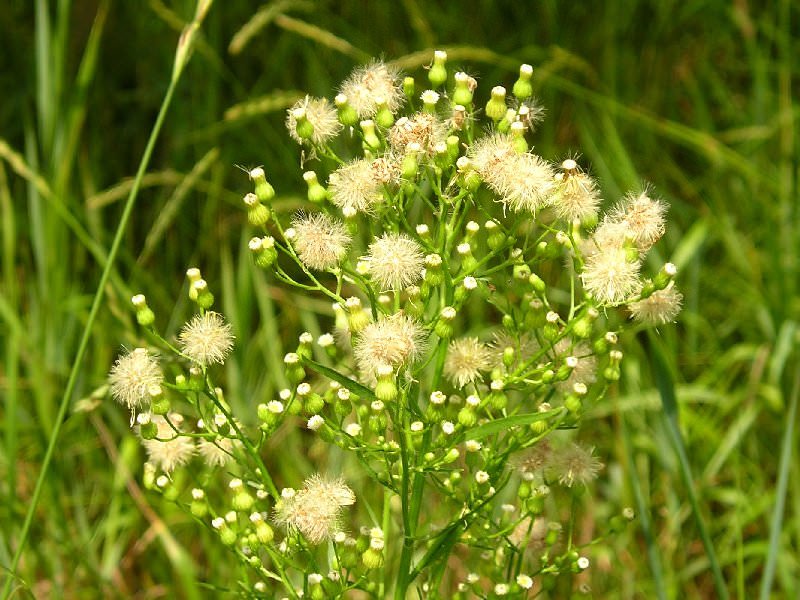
x: 477, y: 295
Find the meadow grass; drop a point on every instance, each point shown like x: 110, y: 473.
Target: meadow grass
x: 693, y: 97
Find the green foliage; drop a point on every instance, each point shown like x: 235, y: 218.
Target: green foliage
x: 695, y: 97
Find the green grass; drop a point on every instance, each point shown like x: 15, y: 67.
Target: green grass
x: 693, y: 97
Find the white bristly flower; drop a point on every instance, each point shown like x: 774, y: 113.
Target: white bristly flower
x: 576, y: 196
x: 524, y: 182
x: 466, y: 359
x: 320, y: 114
x: 642, y: 216
x: 421, y: 128
x: 206, y: 339
x: 172, y: 453
x: 132, y: 376
x: 218, y: 452
x: 396, y: 341
x: 354, y: 187
x: 372, y: 83
x: 659, y: 308
x: 320, y: 240
x: 610, y: 276
x: 395, y: 261
x: 316, y: 509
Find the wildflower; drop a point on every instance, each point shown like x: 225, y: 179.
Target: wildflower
x: 354, y: 188
x: 219, y: 451
x: 207, y: 339
x: 576, y: 464
x: 132, y: 376
x: 576, y: 194
x: 422, y: 128
x: 320, y: 115
x: 643, y: 217
x: 385, y: 170
x: 370, y: 85
x: 610, y: 276
x: 394, y: 341
x: 466, y: 358
x: 536, y: 459
x: 661, y: 307
x: 316, y: 509
x: 320, y: 240
x: 523, y: 181
x: 524, y: 581
x: 169, y: 449
x: 395, y: 261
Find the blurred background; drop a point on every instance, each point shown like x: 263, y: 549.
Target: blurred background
x: 696, y: 98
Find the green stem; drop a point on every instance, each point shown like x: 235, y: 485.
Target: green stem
x: 87, y: 332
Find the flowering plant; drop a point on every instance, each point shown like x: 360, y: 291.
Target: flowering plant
x: 476, y: 293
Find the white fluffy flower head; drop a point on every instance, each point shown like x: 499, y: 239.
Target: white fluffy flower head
x: 207, y: 339
x: 395, y: 261
x: 320, y: 240
x: 132, y: 376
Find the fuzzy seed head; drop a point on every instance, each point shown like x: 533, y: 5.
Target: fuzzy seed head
x: 132, y: 376
x: 524, y: 182
x: 320, y: 240
x: 207, y: 339
x: 316, y: 509
x: 576, y: 464
x: 658, y: 309
x: 609, y: 276
x: 643, y: 217
x: 466, y: 359
x: 396, y: 341
x: 395, y: 261
x: 576, y: 196
x: 320, y: 114
x: 172, y: 453
x: 371, y: 84
x: 421, y: 128
x: 354, y: 188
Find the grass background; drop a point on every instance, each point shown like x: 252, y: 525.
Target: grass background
x: 695, y: 97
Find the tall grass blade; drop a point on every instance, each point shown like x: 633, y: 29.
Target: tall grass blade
x: 776, y: 526
x: 666, y: 387
x: 95, y: 308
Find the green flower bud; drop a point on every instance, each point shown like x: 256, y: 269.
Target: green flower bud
x: 409, y: 87
x: 523, y: 89
x: 496, y: 107
x: 347, y: 114
x: 463, y: 92
x: 316, y: 192
x: 437, y: 74
x: 264, y: 191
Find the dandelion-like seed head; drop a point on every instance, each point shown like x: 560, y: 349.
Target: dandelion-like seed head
x: 466, y: 359
x: 396, y: 341
x: 524, y: 182
x: 643, y: 217
x: 320, y: 114
x: 132, y: 376
x: 316, y: 509
x: 659, y: 308
x: 523, y: 344
x: 320, y: 240
x: 354, y: 188
x: 207, y: 339
x: 169, y: 450
x: 609, y: 276
x: 421, y: 128
x: 576, y: 195
x: 576, y: 464
x: 395, y: 261
x: 373, y: 83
